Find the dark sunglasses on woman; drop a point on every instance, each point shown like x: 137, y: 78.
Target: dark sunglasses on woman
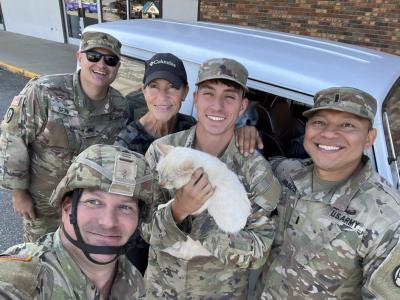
x: 109, y: 60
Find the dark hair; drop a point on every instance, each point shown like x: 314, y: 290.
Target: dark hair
x: 226, y: 82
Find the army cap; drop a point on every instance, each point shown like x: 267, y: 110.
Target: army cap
x: 91, y: 40
x: 223, y: 68
x: 109, y: 168
x: 346, y: 99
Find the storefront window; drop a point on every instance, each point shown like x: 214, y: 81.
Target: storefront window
x: 144, y: 9
x: 113, y: 10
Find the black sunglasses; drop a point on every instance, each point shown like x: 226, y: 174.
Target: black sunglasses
x: 109, y: 60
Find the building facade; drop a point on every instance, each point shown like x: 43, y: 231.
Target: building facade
x: 370, y: 23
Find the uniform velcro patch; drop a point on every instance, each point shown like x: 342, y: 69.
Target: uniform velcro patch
x: 22, y: 275
x: 385, y: 281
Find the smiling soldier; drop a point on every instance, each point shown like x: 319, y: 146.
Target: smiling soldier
x: 52, y: 120
x: 339, y: 229
x: 98, y: 198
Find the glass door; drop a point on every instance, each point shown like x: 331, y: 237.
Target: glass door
x: 78, y: 15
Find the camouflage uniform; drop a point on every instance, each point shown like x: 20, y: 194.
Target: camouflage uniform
x: 339, y: 242
x: 224, y: 273
x: 45, y: 270
x: 47, y: 124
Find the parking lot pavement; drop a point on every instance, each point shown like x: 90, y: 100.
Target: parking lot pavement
x: 35, y: 56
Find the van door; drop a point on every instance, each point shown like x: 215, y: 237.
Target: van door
x: 2, y: 27
x: 391, y: 121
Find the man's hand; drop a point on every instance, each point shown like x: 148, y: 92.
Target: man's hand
x: 23, y: 204
x: 191, y: 196
x: 247, y: 139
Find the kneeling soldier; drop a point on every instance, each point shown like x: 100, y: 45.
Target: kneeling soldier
x: 99, y: 205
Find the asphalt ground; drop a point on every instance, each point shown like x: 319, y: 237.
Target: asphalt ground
x: 10, y: 224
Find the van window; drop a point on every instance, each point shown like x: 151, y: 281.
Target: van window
x: 391, y: 119
x: 128, y: 82
x: 279, y: 121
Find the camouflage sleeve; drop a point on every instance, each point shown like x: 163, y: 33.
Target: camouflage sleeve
x: 22, y: 122
x: 18, y: 277
x: 152, y: 157
x: 10, y: 292
x: 146, y: 226
x: 249, y: 247
x: 382, y: 268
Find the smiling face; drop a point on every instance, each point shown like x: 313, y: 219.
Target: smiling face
x: 218, y: 106
x: 163, y: 99
x: 104, y: 219
x: 96, y: 75
x: 335, y: 141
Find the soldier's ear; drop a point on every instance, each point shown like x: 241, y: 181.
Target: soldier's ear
x: 370, y: 138
x: 243, y: 106
x: 78, y: 56
x: 66, y: 203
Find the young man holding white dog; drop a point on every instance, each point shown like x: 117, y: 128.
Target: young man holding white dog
x: 221, y: 264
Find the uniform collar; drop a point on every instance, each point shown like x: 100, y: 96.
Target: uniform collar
x: 75, y: 276
x: 123, y: 281
x: 341, y: 196
x: 189, y: 143
x: 81, y: 100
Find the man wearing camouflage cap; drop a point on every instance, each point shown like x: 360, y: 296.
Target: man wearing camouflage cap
x: 220, y: 268
x: 52, y: 120
x: 98, y: 199
x: 339, y: 221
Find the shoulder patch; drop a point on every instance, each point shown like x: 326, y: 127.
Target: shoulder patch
x: 396, y: 276
x: 385, y: 281
x: 9, y: 115
x: 21, y: 274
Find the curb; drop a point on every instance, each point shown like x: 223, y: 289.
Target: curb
x: 18, y: 70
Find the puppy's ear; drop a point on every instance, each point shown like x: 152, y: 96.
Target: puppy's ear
x: 164, y: 149
x: 187, y: 166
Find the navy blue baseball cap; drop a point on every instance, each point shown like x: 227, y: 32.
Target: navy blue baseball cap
x: 165, y: 66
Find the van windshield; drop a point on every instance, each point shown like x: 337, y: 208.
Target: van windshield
x: 391, y: 117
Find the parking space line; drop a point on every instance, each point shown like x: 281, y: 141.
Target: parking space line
x: 18, y: 70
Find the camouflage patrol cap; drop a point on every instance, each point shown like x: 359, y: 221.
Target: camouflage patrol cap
x: 346, y: 99
x: 112, y: 169
x: 91, y: 40
x: 223, y: 68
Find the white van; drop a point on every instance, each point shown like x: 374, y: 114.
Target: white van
x: 285, y: 71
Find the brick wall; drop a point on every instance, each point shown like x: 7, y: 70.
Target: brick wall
x: 370, y: 23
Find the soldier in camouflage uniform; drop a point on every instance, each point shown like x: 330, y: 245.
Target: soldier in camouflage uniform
x: 81, y: 260
x: 339, y: 229
x: 52, y: 120
x: 220, y: 269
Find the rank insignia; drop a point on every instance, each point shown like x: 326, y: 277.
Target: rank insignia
x: 9, y: 114
x: 396, y: 276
